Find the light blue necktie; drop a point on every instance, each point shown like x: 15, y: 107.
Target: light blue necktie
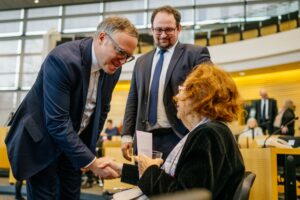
x: 152, y: 114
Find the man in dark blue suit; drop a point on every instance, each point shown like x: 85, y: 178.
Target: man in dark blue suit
x: 53, y: 133
x: 155, y: 80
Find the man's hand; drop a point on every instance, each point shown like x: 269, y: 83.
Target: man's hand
x: 144, y: 162
x: 101, y: 170
x: 127, y: 150
x: 114, y: 165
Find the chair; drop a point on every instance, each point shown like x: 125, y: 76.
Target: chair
x: 250, y: 30
x: 243, y: 190
x: 269, y: 26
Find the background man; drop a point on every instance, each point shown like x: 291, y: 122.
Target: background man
x: 54, y: 131
x: 266, y: 111
x: 155, y: 81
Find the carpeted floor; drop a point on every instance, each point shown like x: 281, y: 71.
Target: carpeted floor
x: 7, y: 191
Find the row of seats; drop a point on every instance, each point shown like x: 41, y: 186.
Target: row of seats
x: 248, y: 30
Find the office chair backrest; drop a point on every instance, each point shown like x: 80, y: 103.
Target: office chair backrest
x: 243, y: 190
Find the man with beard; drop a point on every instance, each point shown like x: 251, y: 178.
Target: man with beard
x: 155, y: 81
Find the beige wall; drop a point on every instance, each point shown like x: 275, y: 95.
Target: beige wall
x: 118, y: 102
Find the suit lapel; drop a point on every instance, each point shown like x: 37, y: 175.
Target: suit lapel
x: 176, y: 55
x: 97, y: 112
x: 86, y: 58
x: 148, y: 68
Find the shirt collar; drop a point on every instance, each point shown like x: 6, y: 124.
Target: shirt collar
x: 95, y: 65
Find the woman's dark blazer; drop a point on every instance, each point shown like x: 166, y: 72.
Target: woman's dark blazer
x: 287, y: 117
x: 210, y: 159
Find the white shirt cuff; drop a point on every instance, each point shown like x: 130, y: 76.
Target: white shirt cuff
x: 126, y: 138
x: 90, y: 163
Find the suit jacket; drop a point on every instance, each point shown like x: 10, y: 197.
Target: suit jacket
x: 47, y: 122
x: 184, y: 58
x: 272, y: 110
x: 210, y: 159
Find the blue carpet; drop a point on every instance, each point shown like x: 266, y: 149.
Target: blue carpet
x: 10, y: 190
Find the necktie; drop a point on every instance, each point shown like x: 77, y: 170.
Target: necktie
x: 253, y: 135
x: 152, y: 113
x: 264, y: 110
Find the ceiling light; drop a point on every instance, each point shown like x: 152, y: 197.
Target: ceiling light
x: 36, y: 1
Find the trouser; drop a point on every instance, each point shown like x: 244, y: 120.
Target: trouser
x: 58, y: 181
x: 18, y: 188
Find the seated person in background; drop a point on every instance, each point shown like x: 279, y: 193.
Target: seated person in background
x: 110, y: 130
x: 284, y: 123
x: 252, y: 130
x: 208, y: 156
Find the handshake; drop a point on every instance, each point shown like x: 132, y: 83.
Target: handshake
x: 108, y: 168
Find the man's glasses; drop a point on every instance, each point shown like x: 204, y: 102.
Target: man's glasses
x: 120, y: 51
x: 168, y: 31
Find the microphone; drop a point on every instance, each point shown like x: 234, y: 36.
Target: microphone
x: 278, y: 130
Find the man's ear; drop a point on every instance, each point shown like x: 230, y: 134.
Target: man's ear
x: 179, y: 28
x: 100, y: 37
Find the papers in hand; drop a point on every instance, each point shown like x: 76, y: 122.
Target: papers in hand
x: 133, y: 193
x: 144, y: 143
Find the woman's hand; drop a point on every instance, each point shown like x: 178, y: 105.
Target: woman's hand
x: 144, y: 162
x: 284, y: 129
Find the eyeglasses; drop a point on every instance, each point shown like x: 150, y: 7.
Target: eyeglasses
x: 168, y: 31
x: 120, y: 51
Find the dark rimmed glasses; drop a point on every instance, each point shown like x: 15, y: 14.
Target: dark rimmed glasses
x: 168, y: 31
x: 119, y: 50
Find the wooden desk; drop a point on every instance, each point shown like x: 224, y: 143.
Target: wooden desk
x: 263, y: 162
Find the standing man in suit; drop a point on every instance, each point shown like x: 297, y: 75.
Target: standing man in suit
x: 266, y: 111
x: 155, y: 80
x: 54, y: 131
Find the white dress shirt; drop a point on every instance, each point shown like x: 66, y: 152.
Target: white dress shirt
x: 265, y: 101
x: 162, y: 120
x: 91, y: 94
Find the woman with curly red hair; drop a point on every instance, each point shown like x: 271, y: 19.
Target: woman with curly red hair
x: 208, y: 156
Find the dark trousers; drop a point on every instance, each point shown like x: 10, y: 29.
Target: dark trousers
x: 266, y: 126
x: 18, y: 188
x: 164, y: 140
x: 58, y: 181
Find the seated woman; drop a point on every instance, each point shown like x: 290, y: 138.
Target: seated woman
x: 208, y: 156
x: 252, y: 130
x: 285, y: 120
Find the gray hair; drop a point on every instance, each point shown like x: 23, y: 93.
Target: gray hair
x: 114, y: 24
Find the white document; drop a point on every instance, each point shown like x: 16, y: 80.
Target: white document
x: 144, y: 143
x: 133, y: 193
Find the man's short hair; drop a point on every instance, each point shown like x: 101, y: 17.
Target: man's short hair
x: 169, y: 10
x: 110, y: 121
x: 114, y: 24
